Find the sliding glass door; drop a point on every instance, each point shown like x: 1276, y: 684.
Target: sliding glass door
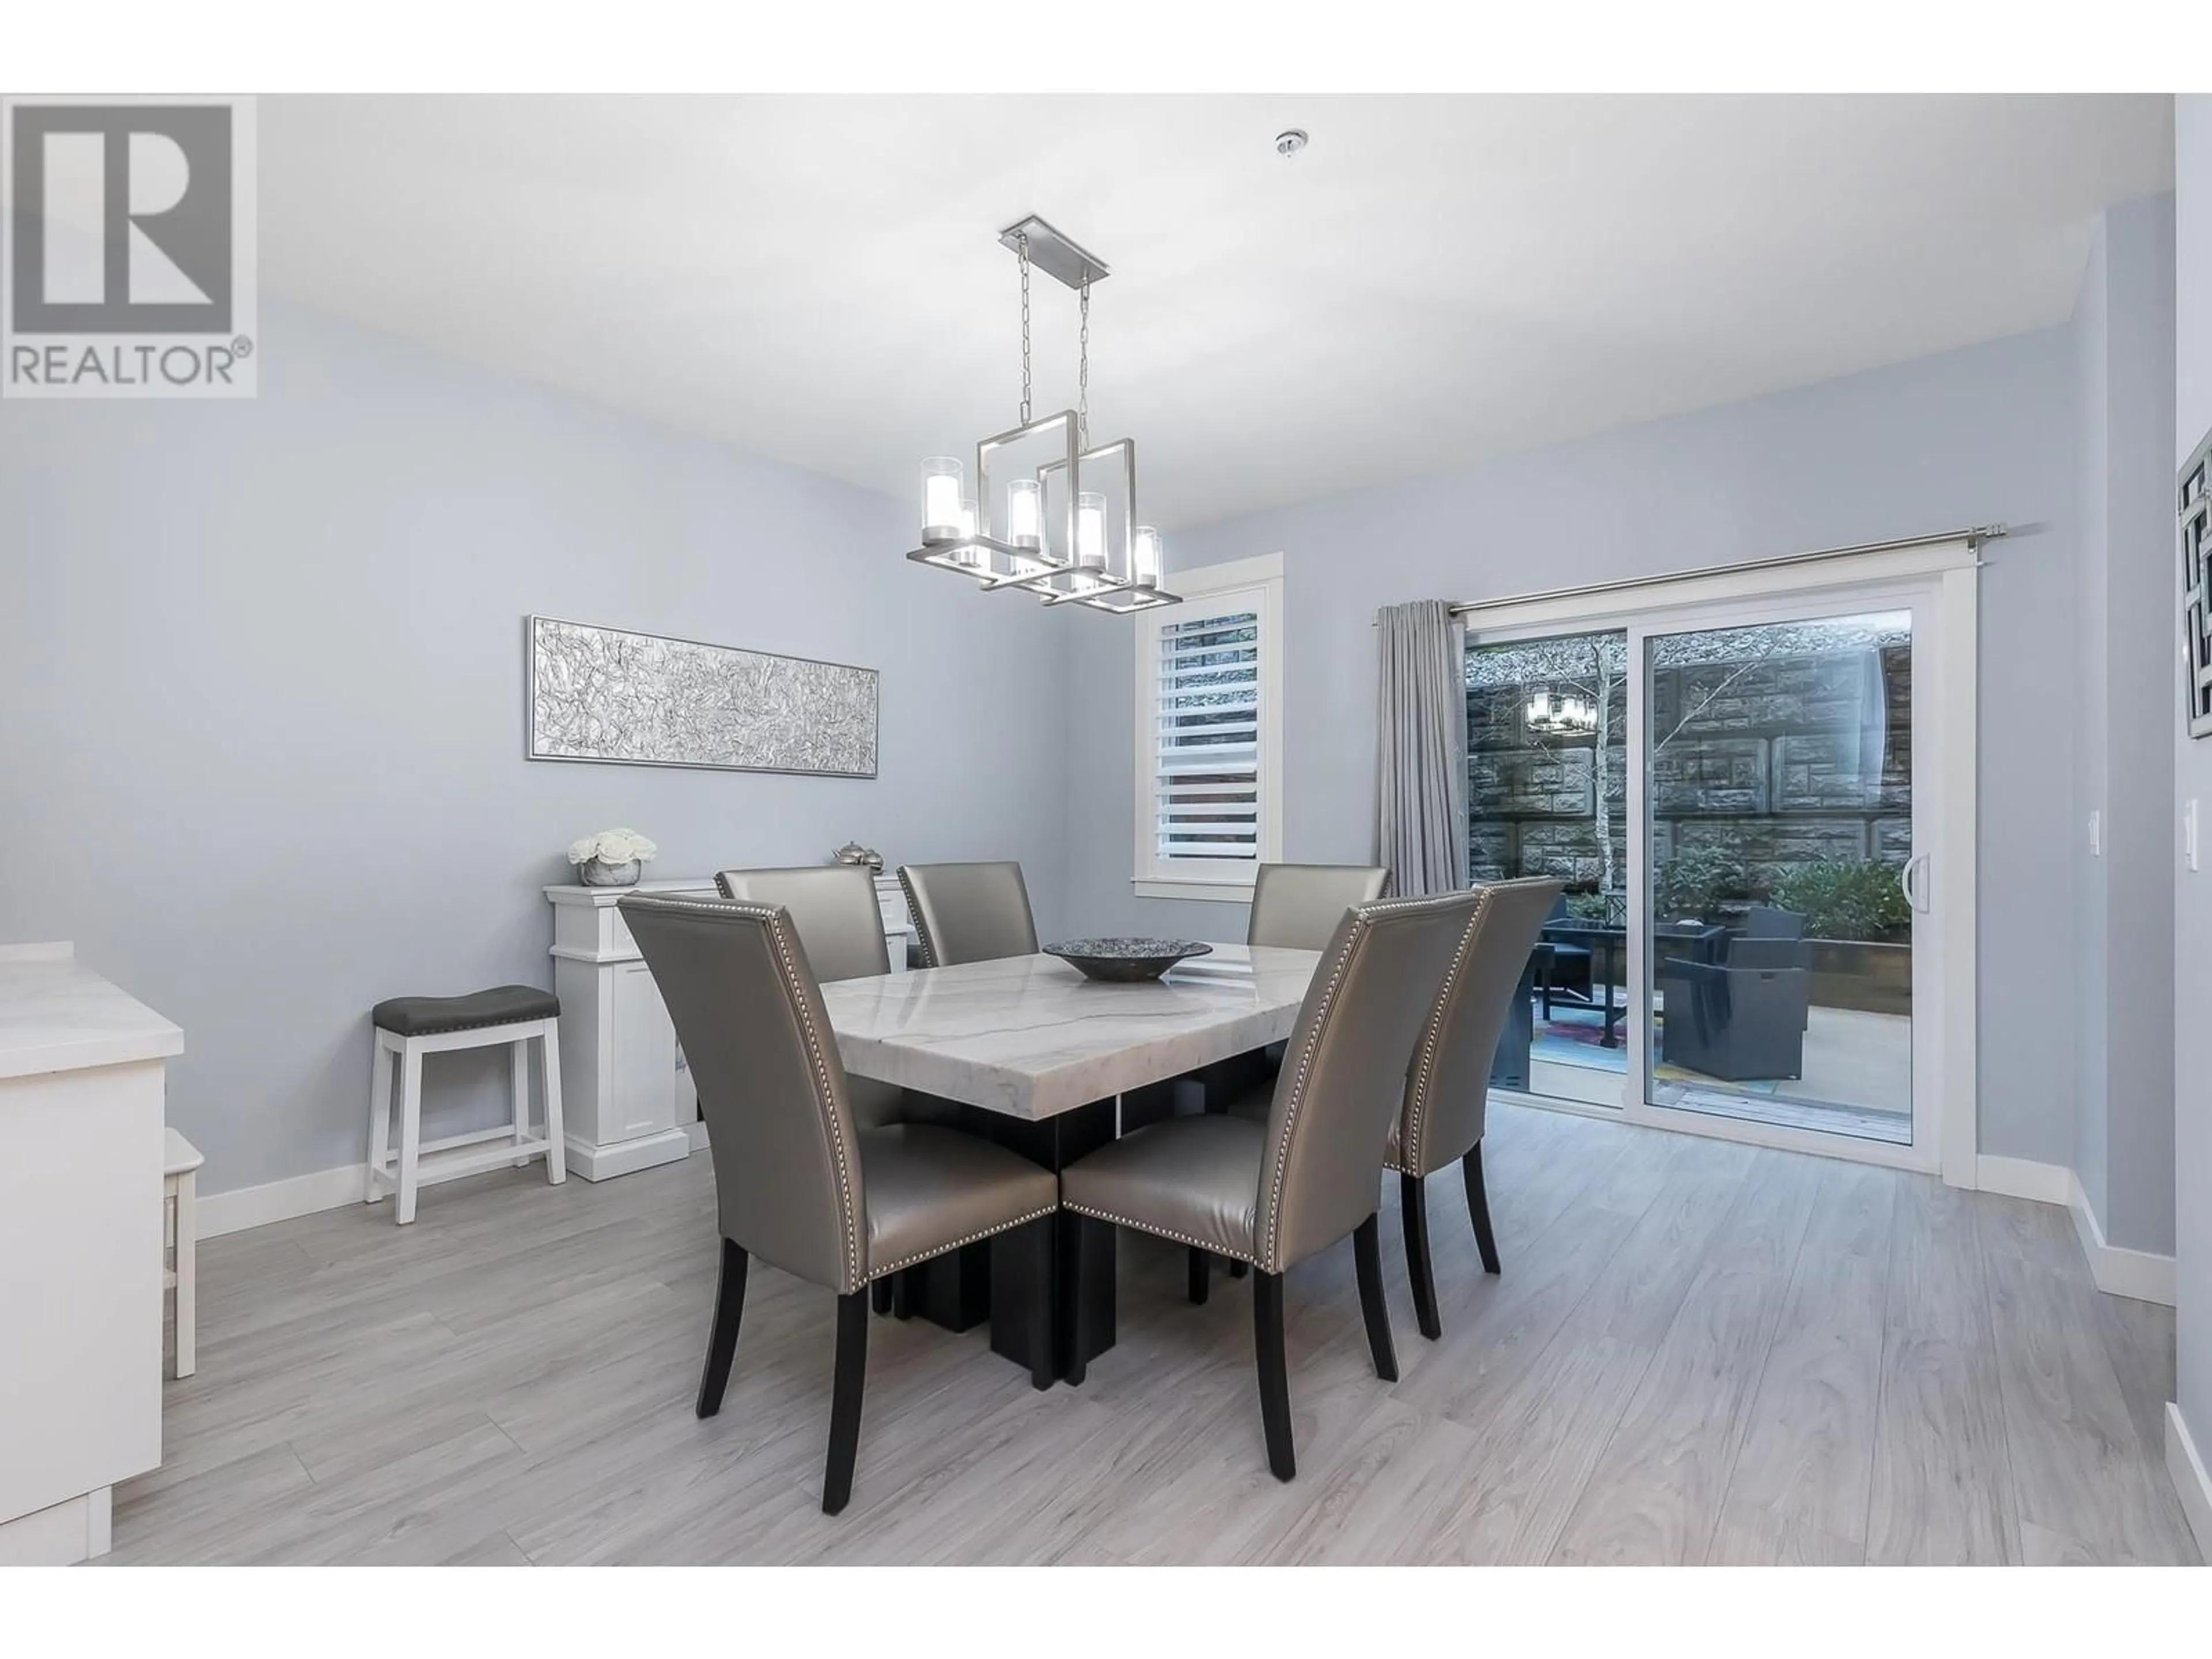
x: 1778, y: 797
x: 1547, y: 795
x: 1744, y: 795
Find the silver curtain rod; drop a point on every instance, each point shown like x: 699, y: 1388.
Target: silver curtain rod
x: 1973, y: 537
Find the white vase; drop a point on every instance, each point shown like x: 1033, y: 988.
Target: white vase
x: 596, y: 872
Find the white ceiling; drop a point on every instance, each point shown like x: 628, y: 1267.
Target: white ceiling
x: 1435, y: 278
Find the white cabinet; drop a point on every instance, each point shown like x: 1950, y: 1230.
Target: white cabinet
x: 626, y: 1092
x: 80, y: 1117
x: 627, y: 1106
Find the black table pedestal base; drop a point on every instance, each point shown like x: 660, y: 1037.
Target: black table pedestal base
x: 994, y: 1279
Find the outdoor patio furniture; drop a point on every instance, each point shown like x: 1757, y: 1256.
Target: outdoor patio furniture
x: 1565, y: 967
x: 1733, y: 1023
x: 1607, y: 947
x: 1769, y: 937
x: 1508, y: 1067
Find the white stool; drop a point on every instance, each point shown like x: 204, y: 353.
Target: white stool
x: 411, y: 1027
x: 180, y: 1163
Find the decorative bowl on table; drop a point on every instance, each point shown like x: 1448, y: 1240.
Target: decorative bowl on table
x: 1126, y: 960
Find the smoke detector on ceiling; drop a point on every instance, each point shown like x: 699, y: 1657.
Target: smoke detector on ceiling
x: 1290, y: 143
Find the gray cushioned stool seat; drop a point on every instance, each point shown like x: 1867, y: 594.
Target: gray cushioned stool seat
x: 504, y: 1005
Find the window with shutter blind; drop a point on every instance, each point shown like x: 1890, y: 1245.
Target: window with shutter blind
x: 1209, y: 678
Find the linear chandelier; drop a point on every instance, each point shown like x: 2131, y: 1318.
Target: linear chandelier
x: 1101, y: 557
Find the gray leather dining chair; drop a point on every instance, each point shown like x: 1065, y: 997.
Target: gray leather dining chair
x: 969, y: 912
x: 1299, y: 905
x: 1448, y: 1089
x: 797, y: 1181
x: 840, y: 928
x: 1273, y: 1193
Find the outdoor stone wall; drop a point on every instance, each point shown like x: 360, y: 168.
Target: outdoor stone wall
x: 1774, y: 757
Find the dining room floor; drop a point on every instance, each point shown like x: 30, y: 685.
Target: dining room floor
x: 1699, y: 1351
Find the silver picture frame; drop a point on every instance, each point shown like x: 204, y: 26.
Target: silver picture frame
x: 618, y: 696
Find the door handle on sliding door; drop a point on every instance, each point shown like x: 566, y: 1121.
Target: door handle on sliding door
x: 1911, y: 888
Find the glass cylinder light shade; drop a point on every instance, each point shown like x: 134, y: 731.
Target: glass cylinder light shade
x: 1144, y: 550
x: 1090, y: 529
x: 968, y: 553
x: 940, y: 500
x: 1025, y: 514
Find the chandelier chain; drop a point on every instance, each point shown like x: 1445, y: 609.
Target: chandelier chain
x: 1022, y: 250
x: 1083, y: 372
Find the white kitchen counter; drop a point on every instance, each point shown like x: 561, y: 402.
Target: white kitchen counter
x: 81, y: 1083
x: 56, y: 1015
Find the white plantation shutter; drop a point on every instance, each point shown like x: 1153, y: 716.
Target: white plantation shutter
x: 1205, y: 780
x: 1209, y: 733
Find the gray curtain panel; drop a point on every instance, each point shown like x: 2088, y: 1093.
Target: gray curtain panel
x: 1421, y: 748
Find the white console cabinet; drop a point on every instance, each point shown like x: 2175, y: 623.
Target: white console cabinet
x: 82, y: 1091
x: 626, y: 1093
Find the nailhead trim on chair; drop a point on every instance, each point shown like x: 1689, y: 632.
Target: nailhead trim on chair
x: 1278, y: 1153
x: 779, y: 927
x: 780, y: 936
x: 920, y: 927
x: 1363, y: 915
x: 1168, y: 1233
x: 1417, y: 1090
x: 889, y: 1268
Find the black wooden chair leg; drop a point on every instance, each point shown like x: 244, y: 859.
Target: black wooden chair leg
x: 1238, y: 1269
x: 845, y: 1399
x: 1374, y: 1308
x: 1274, y: 1379
x: 902, y: 1293
x: 1478, y: 1207
x: 1072, y: 1240
x: 722, y: 1339
x: 879, y: 1296
x: 1039, y: 1312
x: 1201, y: 1275
x: 1414, y: 1207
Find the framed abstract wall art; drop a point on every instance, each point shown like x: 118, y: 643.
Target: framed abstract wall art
x: 608, y: 694
x: 2193, y: 501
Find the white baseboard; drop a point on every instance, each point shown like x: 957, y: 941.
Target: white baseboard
x: 242, y: 1207
x: 621, y: 1157
x: 2021, y: 1177
x: 61, y: 1535
x: 2136, y: 1273
x: 2190, y: 1480
x: 279, y: 1200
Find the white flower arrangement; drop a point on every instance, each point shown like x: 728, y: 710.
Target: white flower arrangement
x: 612, y: 846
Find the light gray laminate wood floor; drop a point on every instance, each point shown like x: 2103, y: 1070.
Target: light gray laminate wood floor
x: 1698, y: 1351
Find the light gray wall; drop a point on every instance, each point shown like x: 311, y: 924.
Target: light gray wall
x: 2123, y: 359
x: 261, y: 700
x: 1965, y: 438
x: 2192, y: 961
x: 2092, y: 706
x: 2138, y: 1212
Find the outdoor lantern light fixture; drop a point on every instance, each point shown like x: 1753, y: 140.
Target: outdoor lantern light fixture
x: 1567, y: 716
x: 1048, y: 533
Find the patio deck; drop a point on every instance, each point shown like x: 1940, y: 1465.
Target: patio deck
x: 1857, y: 1077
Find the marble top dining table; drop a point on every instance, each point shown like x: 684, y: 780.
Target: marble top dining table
x: 1031, y: 1038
